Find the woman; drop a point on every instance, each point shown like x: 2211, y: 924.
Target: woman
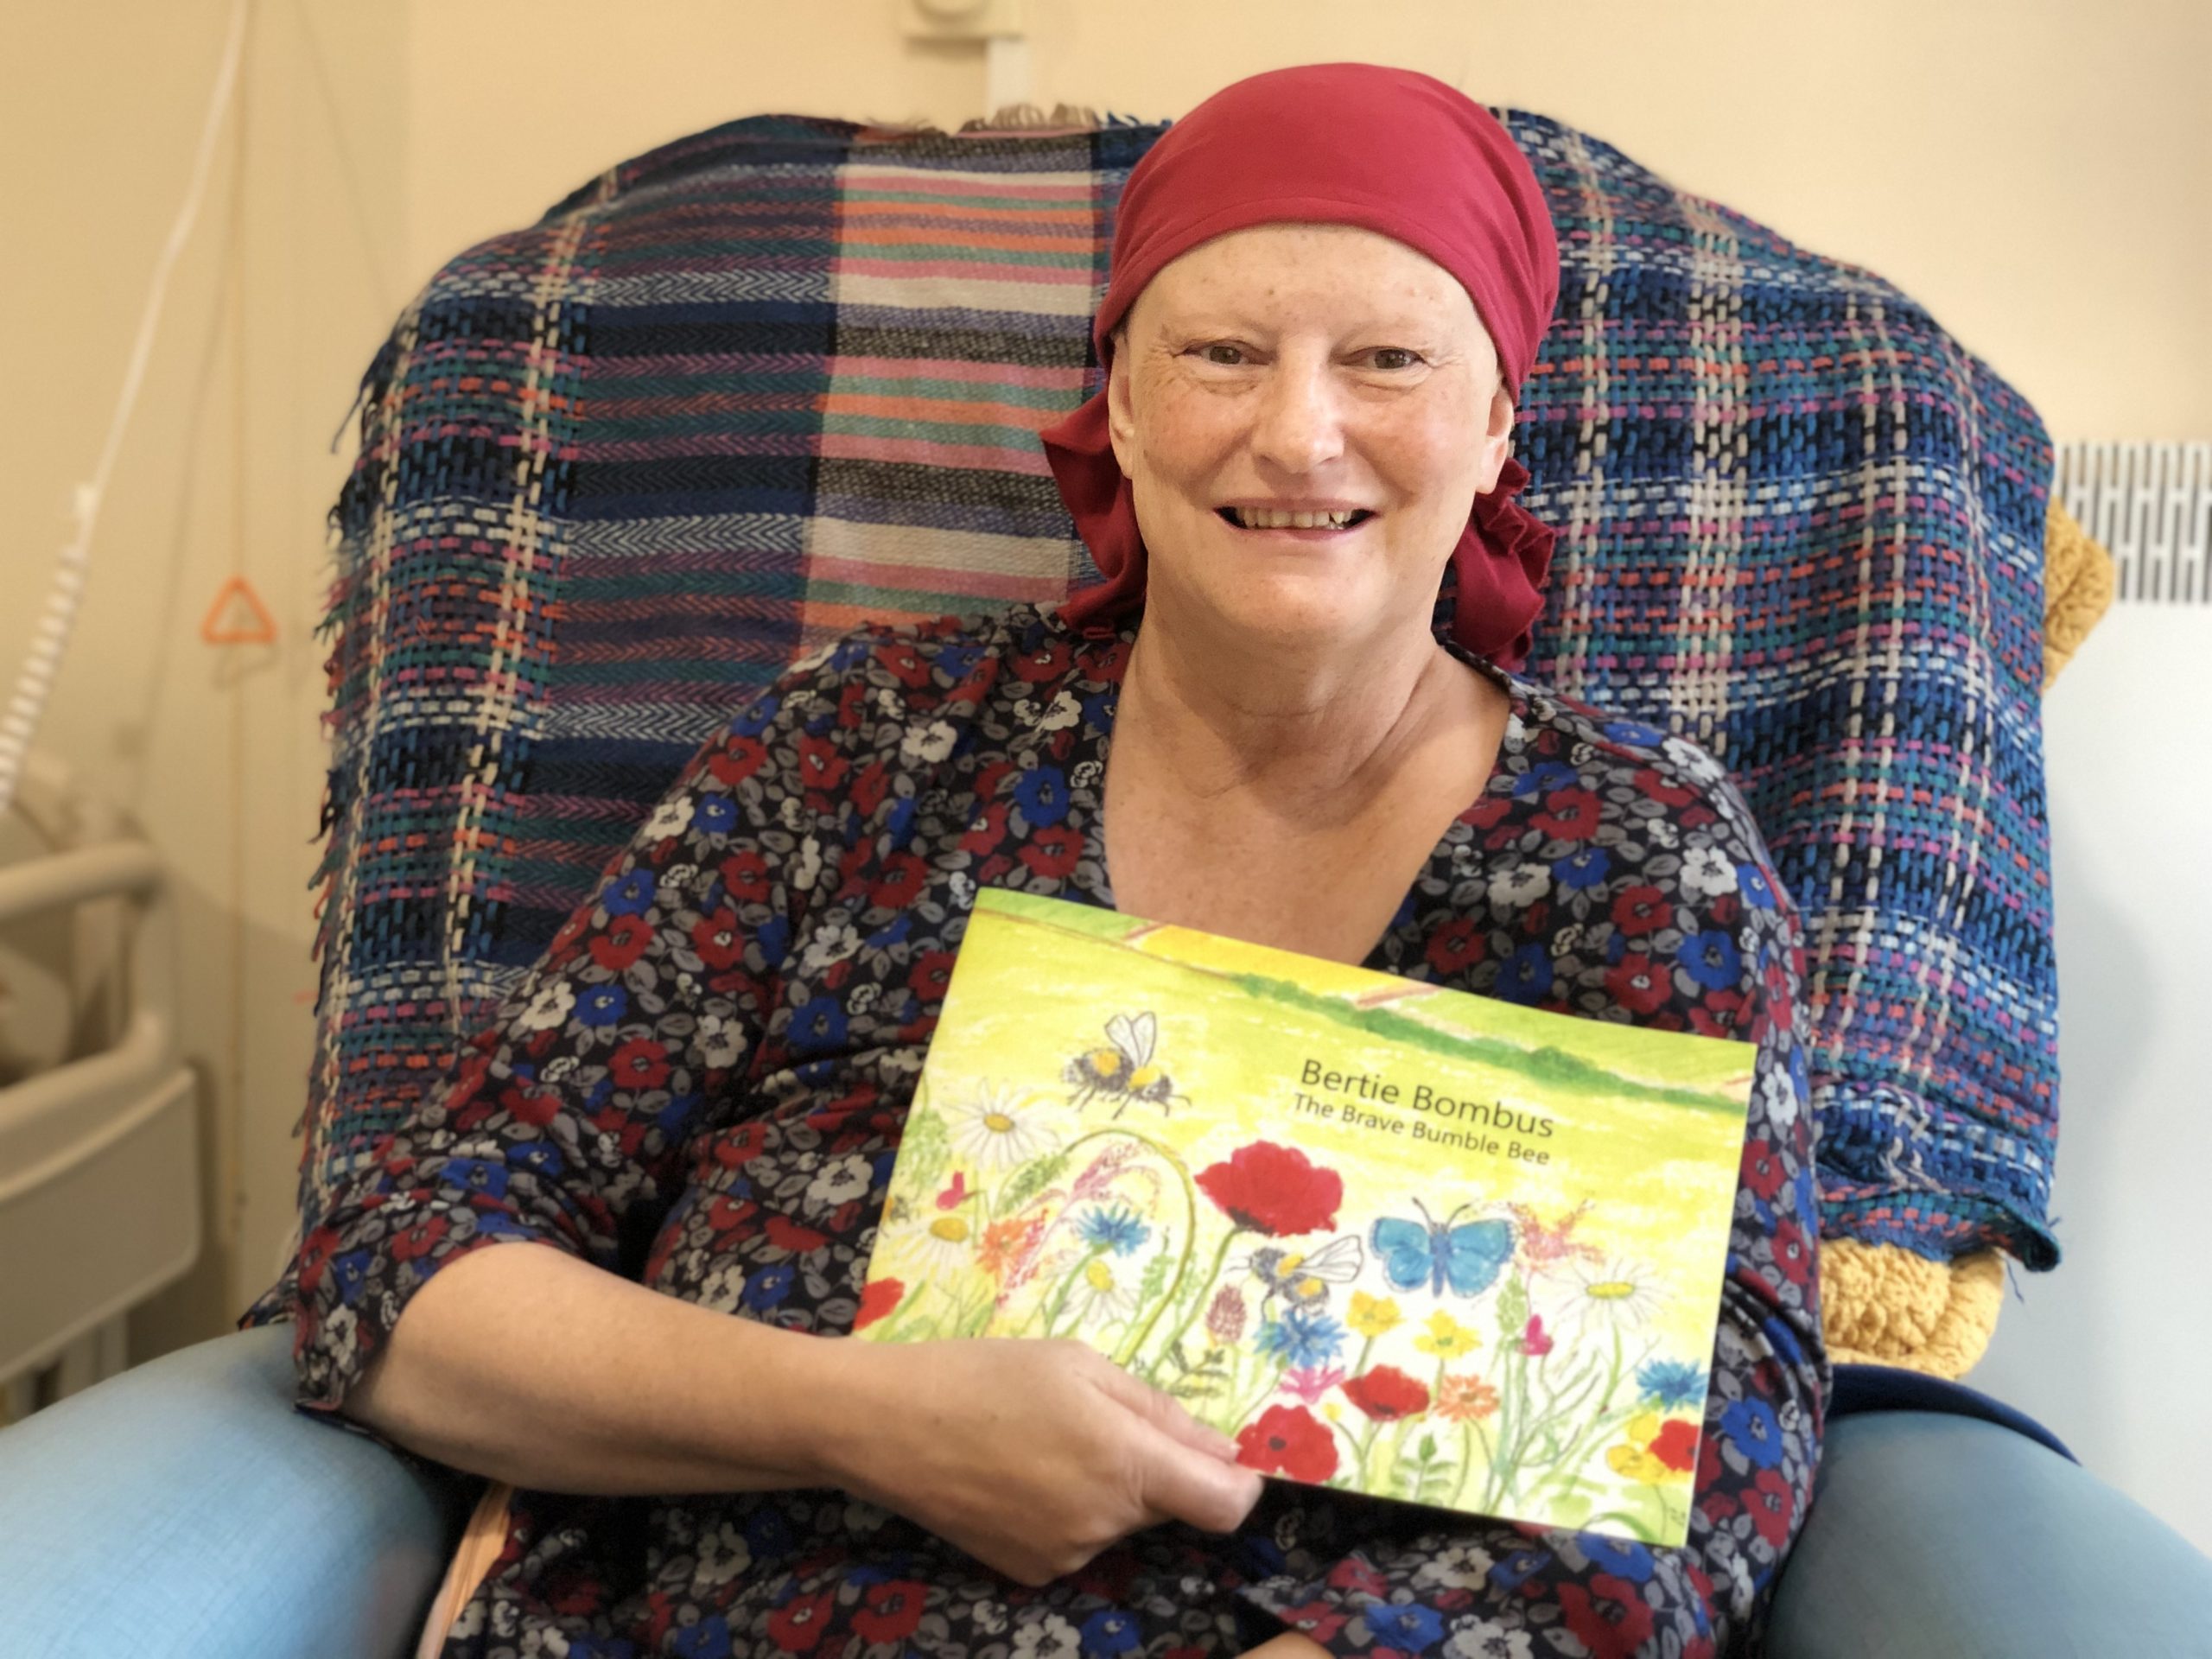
x: 1328, y: 287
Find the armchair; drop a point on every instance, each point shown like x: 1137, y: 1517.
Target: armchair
x: 737, y: 394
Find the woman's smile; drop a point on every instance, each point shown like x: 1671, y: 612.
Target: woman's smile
x: 1318, y: 520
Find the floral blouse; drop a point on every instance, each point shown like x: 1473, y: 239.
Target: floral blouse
x: 703, y: 1083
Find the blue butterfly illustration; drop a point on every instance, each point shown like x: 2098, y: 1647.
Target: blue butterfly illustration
x: 1468, y: 1256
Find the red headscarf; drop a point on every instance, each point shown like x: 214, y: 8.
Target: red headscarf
x: 1389, y: 150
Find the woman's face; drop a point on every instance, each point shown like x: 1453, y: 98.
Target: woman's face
x: 1304, y: 368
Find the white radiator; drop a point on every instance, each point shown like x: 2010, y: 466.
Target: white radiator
x: 2111, y: 1351
x: 2150, y: 504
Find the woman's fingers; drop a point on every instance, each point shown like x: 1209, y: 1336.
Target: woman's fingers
x: 1166, y: 1413
x: 1182, y: 1483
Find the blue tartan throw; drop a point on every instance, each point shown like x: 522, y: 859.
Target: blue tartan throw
x: 735, y: 396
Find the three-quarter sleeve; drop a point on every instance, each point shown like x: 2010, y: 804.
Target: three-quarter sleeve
x: 566, y: 1119
x: 1379, y: 1577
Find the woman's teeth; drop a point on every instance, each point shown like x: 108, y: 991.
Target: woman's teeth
x: 1255, y: 518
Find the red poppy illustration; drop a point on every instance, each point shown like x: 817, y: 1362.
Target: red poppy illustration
x: 1675, y: 1444
x: 878, y: 1300
x: 1288, y: 1440
x: 1387, y: 1394
x: 1535, y: 1341
x: 1265, y: 1188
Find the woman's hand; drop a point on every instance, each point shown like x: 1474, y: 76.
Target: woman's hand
x: 1031, y: 1456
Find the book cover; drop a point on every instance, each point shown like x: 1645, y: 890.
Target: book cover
x: 1431, y: 1246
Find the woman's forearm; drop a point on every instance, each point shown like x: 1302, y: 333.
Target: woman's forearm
x: 525, y: 1365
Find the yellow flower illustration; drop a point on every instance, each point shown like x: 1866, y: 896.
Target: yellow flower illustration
x: 1373, y: 1316
x: 1655, y: 1449
x: 1448, y: 1339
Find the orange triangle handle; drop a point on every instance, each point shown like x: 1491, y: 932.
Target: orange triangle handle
x: 223, y: 627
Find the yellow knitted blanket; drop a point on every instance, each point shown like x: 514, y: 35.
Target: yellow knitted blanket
x: 1881, y: 1303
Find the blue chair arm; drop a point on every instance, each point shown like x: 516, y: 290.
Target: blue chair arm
x: 185, y: 1508
x: 1941, y: 1536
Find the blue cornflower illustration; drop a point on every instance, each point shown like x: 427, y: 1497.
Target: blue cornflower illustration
x: 1119, y: 1230
x: 1672, y: 1382
x: 1303, y: 1337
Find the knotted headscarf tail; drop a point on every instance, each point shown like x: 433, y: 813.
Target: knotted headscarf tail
x: 1389, y: 150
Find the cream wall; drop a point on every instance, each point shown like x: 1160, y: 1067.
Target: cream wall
x: 2039, y: 172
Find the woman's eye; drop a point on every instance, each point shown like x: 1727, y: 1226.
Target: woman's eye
x: 1227, y: 357
x: 1395, y: 356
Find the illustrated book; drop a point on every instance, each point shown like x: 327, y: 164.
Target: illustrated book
x: 1424, y: 1244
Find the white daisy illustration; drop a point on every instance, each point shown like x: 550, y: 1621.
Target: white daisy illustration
x: 994, y: 1131
x: 1610, y: 1293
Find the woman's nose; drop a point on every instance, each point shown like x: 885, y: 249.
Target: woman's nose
x: 1297, y: 424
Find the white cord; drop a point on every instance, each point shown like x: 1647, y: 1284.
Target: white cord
x: 19, y: 723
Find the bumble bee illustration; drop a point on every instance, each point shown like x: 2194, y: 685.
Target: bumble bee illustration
x: 1125, y: 1070
x: 1303, y: 1278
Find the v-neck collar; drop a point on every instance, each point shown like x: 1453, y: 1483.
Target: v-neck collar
x: 1097, y: 660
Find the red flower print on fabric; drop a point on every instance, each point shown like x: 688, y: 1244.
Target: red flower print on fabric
x: 639, y: 1064
x: 1764, y: 1169
x: 737, y: 760
x: 419, y: 1239
x: 621, y: 944
x: 796, y: 1626
x: 820, y: 766
x: 890, y: 1611
x: 1771, y: 1506
x: 1792, y: 1253
x: 719, y: 940
x: 1639, y: 984
x: 1642, y: 910
x: 1459, y: 943
x: 1053, y: 852
x: 745, y: 878
x: 1608, y: 1618
x: 1570, y: 814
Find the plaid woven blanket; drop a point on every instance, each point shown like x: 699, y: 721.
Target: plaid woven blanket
x: 746, y: 391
